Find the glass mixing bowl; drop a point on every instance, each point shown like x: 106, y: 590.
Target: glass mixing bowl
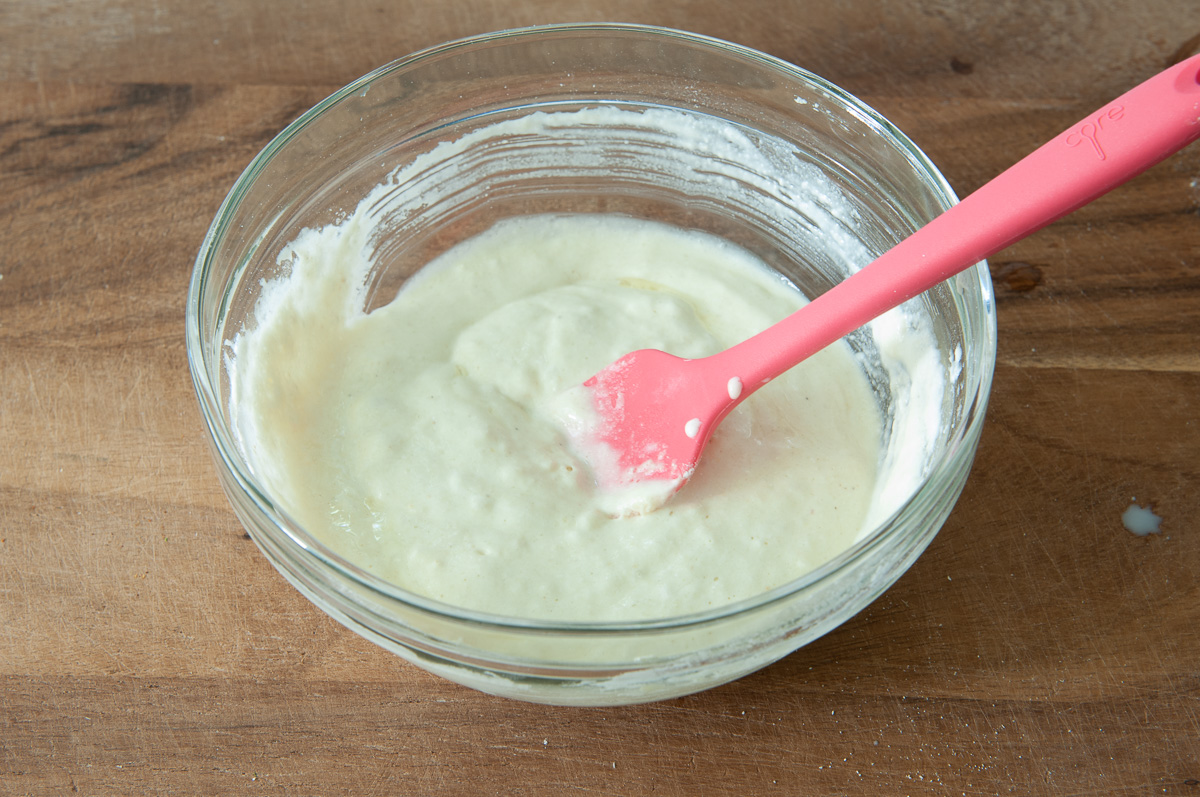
x: 423, y: 122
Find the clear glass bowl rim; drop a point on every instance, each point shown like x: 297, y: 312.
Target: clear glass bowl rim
x: 957, y: 449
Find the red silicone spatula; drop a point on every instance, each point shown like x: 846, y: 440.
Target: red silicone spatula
x: 654, y: 413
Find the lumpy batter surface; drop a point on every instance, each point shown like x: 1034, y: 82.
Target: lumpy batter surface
x: 416, y: 440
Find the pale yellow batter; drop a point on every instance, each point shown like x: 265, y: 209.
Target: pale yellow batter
x: 416, y: 441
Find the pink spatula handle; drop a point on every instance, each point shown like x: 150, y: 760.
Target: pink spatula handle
x: 1112, y: 145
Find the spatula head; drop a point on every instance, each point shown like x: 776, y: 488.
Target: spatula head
x: 640, y: 425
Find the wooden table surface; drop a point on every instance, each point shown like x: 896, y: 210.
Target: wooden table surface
x: 1038, y: 647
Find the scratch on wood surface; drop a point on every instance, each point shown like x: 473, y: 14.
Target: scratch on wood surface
x: 33, y: 388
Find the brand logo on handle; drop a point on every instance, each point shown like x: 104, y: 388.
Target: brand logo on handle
x: 1089, y: 132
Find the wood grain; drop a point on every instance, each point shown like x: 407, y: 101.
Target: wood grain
x: 1036, y: 648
